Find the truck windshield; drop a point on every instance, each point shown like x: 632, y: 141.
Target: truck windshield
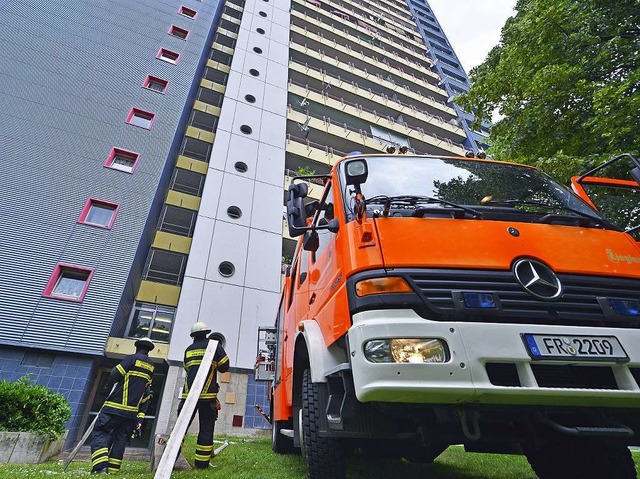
x: 400, y: 185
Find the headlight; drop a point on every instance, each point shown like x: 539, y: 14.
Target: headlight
x: 406, y: 350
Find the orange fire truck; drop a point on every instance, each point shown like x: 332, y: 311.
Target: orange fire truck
x: 434, y: 301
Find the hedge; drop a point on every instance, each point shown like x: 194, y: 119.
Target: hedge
x: 30, y: 407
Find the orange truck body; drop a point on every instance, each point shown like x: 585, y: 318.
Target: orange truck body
x: 490, y: 375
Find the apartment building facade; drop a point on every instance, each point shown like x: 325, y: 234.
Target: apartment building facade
x: 146, y: 148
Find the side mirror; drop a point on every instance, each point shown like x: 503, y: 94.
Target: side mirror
x: 356, y: 171
x: 333, y: 225
x: 311, y: 208
x: 296, y: 217
x: 311, y: 241
x: 635, y: 173
x: 298, y: 190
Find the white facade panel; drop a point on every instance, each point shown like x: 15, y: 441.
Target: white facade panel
x: 230, y: 243
x: 188, y: 310
x: 251, y: 86
x: 270, y: 166
x: 280, y: 33
x: 210, y: 196
x: 255, y: 62
x: 261, y: 262
x: 237, y: 63
x: 273, y: 130
x: 221, y: 308
x: 200, y: 246
x: 246, y: 115
x: 219, y: 151
x: 258, y: 309
x: 281, y: 17
x: 227, y: 114
x: 274, y: 98
x: 279, y: 53
x: 277, y: 74
x: 236, y: 191
x: 244, y: 149
x: 264, y: 215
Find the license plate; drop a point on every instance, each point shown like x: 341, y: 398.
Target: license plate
x: 583, y: 348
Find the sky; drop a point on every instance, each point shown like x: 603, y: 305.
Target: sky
x: 472, y: 26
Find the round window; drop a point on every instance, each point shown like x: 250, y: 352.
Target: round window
x: 226, y: 269
x: 246, y: 129
x: 258, y: 50
x: 260, y: 31
x: 262, y: 14
x: 241, y: 167
x: 234, y: 212
x: 250, y: 98
x: 254, y: 72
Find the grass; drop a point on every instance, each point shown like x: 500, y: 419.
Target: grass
x: 253, y: 459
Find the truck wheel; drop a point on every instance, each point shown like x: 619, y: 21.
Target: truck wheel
x: 323, y: 454
x: 573, y: 459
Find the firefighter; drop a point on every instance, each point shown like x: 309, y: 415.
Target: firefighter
x: 208, y: 404
x: 123, y: 410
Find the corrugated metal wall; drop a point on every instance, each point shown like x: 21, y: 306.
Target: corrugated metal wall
x: 69, y: 74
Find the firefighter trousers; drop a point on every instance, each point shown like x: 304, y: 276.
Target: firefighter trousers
x: 108, y: 442
x: 207, y: 416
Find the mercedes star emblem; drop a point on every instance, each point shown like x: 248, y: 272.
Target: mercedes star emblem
x: 537, y: 279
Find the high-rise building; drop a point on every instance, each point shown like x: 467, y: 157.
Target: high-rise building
x: 145, y: 150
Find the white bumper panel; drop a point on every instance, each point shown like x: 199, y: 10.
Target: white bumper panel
x: 464, y: 378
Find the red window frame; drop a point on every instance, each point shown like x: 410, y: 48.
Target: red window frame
x: 162, y: 81
x: 178, y: 32
x: 187, y: 12
x: 94, y: 201
x: 58, y: 271
x: 137, y: 112
x: 122, y: 152
x: 166, y: 55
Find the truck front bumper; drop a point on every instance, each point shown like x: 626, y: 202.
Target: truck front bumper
x: 465, y: 377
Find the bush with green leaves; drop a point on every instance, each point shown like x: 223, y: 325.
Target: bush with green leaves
x: 30, y: 407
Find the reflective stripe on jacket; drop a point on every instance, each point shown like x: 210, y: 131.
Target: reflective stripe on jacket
x: 193, y: 359
x: 133, y: 378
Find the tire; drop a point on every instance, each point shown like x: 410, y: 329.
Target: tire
x: 581, y: 459
x: 324, y: 455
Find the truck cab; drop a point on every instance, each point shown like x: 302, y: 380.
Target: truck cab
x: 435, y: 301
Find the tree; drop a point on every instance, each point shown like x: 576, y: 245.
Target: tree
x: 566, y: 81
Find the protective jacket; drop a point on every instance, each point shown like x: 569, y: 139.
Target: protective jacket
x: 132, y: 376
x: 193, y: 358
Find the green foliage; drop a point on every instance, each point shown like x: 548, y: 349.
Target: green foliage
x: 566, y: 79
x: 29, y: 407
x: 305, y: 171
x: 253, y: 459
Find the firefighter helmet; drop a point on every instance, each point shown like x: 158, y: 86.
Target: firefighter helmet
x: 200, y: 327
x: 144, y: 343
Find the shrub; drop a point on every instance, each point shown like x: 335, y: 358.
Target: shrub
x: 30, y: 407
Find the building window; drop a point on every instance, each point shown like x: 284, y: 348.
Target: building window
x: 168, y: 56
x: 186, y: 181
x: 68, y: 282
x: 155, y: 84
x: 176, y: 220
x: 204, y: 121
x: 165, y: 267
x: 122, y: 160
x: 178, y: 32
x: 151, y: 321
x: 187, y: 12
x: 99, y: 213
x: 141, y: 118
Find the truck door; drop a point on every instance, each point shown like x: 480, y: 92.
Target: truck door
x: 297, y: 309
x: 613, y: 188
x: 324, y: 269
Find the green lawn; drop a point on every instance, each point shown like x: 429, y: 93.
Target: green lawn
x: 253, y: 459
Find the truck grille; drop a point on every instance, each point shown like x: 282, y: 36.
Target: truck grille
x: 578, y: 304
x: 555, y: 376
